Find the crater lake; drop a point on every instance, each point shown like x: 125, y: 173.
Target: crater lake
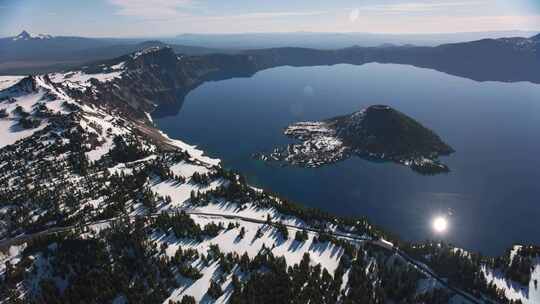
x: 491, y: 196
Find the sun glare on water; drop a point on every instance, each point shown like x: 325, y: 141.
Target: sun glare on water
x: 440, y: 224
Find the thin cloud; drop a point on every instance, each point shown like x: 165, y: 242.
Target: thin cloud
x: 168, y: 10
x: 262, y: 15
x: 151, y: 9
x: 418, y: 7
x: 445, y: 24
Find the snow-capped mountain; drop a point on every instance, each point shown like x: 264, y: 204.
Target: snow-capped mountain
x: 24, y: 35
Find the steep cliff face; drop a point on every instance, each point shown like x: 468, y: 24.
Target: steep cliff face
x: 157, y: 77
x: 149, y: 78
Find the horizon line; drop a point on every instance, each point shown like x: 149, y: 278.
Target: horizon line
x: 284, y: 32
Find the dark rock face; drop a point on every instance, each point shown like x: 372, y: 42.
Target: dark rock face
x: 380, y: 129
x: 159, y: 77
x: 25, y: 85
x: 152, y: 77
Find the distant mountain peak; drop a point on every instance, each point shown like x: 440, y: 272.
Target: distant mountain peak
x: 24, y: 35
x: 536, y: 38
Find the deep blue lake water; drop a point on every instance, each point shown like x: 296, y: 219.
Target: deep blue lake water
x: 491, y: 197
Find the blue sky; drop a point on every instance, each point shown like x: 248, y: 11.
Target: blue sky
x: 140, y: 18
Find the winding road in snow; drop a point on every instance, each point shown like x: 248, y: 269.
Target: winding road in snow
x: 5, y: 244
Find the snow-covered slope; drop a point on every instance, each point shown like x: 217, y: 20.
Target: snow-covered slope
x: 15, y: 104
x: 526, y: 293
x: 81, y: 80
x: 515, y: 291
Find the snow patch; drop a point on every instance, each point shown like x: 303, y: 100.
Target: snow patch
x: 514, y: 291
x: 80, y: 80
x: 195, y: 153
x: 186, y: 169
x: 180, y: 193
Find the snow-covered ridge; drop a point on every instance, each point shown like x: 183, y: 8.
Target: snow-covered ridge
x: 50, y: 92
x: 80, y: 80
x: 147, y: 51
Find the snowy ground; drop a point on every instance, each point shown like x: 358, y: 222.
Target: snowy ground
x: 180, y: 193
x: 195, y: 153
x: 109, y: 129
x: 514, y: 291
x: 326, y: 254
x: 11, y: 132
x: 319, y: 146
x: 9, y: 126
x: 81, y: 80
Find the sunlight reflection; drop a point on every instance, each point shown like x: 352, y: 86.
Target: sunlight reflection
x: 440, y: 224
